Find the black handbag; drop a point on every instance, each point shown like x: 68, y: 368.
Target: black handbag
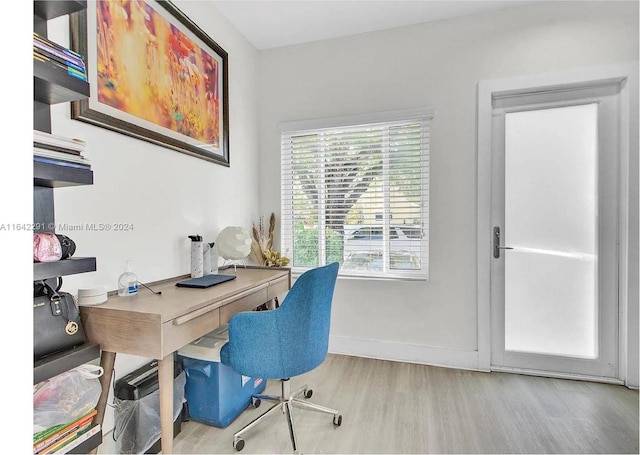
x: 68, y: 246
x: 56, y: 322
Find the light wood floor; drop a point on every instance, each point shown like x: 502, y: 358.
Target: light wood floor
x: 392, y: 407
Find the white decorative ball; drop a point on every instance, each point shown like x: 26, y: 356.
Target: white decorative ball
x: 234, y: 242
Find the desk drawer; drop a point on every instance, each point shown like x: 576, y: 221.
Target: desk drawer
x: 246, y: 303
x: 188, y: 327
x: 277, y: 287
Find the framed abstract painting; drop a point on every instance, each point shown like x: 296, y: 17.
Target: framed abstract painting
x: 154, y: 75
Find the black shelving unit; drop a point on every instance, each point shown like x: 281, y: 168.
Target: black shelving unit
x: 71, y: 266
x: 55, y: 364
x: 56, y: 176
x: 53, y: 85
x: 47, y: 9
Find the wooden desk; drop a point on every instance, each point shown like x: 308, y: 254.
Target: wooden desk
x: 156, y: 326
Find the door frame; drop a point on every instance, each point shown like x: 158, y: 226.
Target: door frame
x: 628, y: 276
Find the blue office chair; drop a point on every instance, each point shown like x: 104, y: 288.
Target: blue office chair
x: 288, y: 341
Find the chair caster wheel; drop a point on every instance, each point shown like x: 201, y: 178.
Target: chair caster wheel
x: 308, y: 393
x: 238, y: 445
x: 255, y: 402
x: 337, y: 420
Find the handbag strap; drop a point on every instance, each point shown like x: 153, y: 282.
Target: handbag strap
x: 39, y: 287
x: 60, y: 304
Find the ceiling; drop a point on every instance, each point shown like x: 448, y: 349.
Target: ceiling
x: 276, y: 23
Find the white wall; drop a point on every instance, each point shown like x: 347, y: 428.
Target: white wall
x: 438, y: 65
x: 166, y: 195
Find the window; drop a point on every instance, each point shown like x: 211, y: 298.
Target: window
x: 355, y: 190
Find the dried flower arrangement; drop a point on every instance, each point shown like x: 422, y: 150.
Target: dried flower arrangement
x: 262, y: 244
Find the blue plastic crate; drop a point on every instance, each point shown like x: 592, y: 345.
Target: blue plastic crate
x: 215, y: 394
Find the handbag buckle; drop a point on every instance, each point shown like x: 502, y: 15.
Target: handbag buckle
x: 55, y: 304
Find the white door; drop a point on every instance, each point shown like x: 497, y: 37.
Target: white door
x: 554, y: 218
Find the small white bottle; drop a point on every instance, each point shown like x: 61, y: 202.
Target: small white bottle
x: 197, y: 256
x: 214, y: 258
x: 127, y: 282
x: 206, y: 259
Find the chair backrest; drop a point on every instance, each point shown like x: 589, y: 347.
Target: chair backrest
x: 304, y: 319
x: 290, y: 340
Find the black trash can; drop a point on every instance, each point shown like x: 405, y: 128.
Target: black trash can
x: 137, y: 409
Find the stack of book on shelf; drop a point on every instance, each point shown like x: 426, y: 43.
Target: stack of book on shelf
x: 64, y: 438
x: 53, y: 149
x: 56, y: 55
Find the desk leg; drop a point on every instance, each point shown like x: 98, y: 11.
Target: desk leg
x: 165, y: 385
x: 107, y: 360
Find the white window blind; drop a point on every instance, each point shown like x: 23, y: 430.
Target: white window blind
x: 356, y: 190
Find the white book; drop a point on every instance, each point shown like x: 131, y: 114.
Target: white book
x: 60, y: 156
x: 60, y: 141
x: 79, y: 440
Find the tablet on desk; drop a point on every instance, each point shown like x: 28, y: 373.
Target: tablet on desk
x: 205, y: 281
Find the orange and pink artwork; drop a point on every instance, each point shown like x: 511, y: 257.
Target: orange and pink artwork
x: 149, y: 68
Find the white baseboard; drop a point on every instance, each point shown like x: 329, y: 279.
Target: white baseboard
x: 401, y: 352
x: 551, y: 374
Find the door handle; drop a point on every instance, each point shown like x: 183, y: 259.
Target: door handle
x: 496, y: 243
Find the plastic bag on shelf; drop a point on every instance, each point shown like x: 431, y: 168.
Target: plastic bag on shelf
x: 66, y: 397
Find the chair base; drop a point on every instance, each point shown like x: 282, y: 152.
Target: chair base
x: 284, y: 404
